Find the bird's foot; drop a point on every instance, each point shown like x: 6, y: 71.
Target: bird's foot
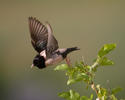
x: 68, y: 61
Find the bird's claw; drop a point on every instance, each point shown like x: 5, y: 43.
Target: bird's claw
x: 68, y: 61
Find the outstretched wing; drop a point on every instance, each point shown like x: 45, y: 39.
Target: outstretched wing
x: 52, y: 43
x: 39, y: 34
x: 42, y: 37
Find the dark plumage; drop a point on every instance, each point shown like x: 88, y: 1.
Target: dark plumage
x: 39, y: 61
x: 46, y: 45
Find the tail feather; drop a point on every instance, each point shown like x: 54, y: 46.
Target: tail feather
x: 68, y: 50
x: 72, y: 49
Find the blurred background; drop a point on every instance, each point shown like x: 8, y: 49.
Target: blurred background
x: 87, y: 24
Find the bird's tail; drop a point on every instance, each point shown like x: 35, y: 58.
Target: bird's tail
x: 68, y: 50
x: 72, y: 49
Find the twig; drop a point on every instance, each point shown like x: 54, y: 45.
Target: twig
x: 94, y: 65
x: 94, y: 88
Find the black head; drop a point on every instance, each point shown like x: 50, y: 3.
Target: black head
x: 39, y: 61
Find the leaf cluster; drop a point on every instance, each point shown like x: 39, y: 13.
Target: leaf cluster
x: 72, y: 95
x: 80, y: 72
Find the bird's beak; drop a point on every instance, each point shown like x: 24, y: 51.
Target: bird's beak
x: 32, y: 65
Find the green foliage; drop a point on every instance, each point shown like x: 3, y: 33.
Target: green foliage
x: 116, y: 90
x: 104, y: 61
x: 102, y: 93
x: 101, y: 59
x: 72, y: 95
x: 62, y: 67
x: 106, y: 49
x: 78, y: 73
x: 86, y: 73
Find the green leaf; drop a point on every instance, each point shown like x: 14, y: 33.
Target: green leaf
x: 62, y: 67
x: 78, y: 77
x: 112, y: 97
x: 80, y: 65
x: 84, y: 98
x: 71, y: 81
x: 105, y: 61
x: 106, y: 49
x: 84, y: 76
x: 65, y: 95
x: 74, y: 95
x: 91, y: 96
x: 71, y: 95
x: 102, y: 92
x: 116, y: 90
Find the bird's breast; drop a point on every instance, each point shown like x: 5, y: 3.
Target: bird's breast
x: 54, y: 60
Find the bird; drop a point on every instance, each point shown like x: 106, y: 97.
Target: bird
x: 46, y: 45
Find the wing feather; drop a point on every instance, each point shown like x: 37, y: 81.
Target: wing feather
x: 52, y: 42
x: 41, y: 36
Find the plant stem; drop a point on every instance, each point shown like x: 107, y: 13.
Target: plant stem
x: 94, y: 88
x: 94, y: 65
x: 92, y: 83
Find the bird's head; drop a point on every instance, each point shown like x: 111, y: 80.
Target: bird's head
x: 39, y: 61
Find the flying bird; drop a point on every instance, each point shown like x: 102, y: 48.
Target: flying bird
x: 44, y: 42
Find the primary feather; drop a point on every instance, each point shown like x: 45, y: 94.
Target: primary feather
x: 42, y: 37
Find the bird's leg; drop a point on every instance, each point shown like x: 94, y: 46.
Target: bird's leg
x: 68, y: 61
x: 43, y: 53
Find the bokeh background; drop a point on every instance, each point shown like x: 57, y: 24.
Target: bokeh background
x: 87, y: 24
